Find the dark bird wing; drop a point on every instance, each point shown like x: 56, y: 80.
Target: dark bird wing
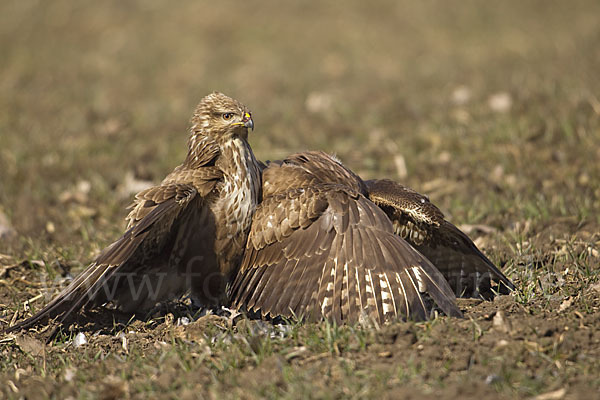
x: 158, y: 216
x: 469, y: 272
x: 186, y: 234
x: 325, y: 251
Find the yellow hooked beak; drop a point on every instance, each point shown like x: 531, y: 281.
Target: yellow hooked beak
x: 246, y: 121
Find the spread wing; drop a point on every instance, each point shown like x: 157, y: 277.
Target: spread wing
x: 326, y: 251
x: 159, y: 216
x: 469, y: 272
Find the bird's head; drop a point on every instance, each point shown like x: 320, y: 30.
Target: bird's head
x: 222, y: 117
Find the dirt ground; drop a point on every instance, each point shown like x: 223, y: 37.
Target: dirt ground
x: 491, y: 110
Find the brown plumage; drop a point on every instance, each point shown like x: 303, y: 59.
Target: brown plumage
x: 325, y: 244
x: 468, y: 271
x: 186, y: 234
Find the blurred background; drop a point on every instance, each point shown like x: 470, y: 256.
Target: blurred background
x: 490, y: 108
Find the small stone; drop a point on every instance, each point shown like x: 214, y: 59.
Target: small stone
x: 565, y: 304
x: 461, y: 95
x: 500, y: 102
x: 584, y: 179
x: 444, y: 157
x: 83, y: 186
x: 500, y: 322
x: 492, y: 378
x: 79, y: 340
x: 497, y: 173
x: 124, y: 344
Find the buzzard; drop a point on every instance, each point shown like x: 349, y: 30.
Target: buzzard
x: 186, y: 234
x: 324, y: 244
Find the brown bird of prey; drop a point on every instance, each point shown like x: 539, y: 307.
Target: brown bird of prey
x: 324, y: 244
x: 186, y: 234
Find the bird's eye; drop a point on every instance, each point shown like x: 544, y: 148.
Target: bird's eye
x: 227, y: 116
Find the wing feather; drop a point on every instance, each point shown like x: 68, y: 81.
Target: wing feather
x: 150, y: 231
x: 465, y: 267
x: 337, y: 265
x: 421, y: 308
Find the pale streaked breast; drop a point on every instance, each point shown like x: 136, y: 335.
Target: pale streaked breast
x: 240, y: 190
